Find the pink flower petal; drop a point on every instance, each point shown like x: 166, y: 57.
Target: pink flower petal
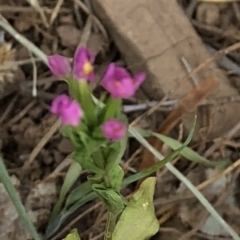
x: 123, y: 89
x: 59, y: 65
x: 109, y: 74
x: 69, y: 111
x: 72, y: 114
x: 118, y: 82
x: 58, y: 103
x: 81, y: 57
x: 138, y: 79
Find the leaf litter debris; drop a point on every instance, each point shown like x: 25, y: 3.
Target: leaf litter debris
x: 62, y: 34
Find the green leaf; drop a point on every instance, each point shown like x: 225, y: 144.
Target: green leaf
x: 13, y: 194
x: 114, y: 153
x: 78, y: 198
x: 72, y: 175
x: 95, y: 179
x: 90, y: 143
x: 78, y: 193
x: 92, y: 195
x: 73, y: 235
x: 115, y: 177
x: 72, y: 134
x: 156, y: 166
x: 81, y: 156
x: 187, y: 152
x: 138, y: 220
x: 66, y: 213
x: 113, y: 200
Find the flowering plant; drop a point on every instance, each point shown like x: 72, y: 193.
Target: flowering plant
x: 98, y: 131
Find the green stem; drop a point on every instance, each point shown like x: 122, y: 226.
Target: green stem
x: 16, y: 200
x: 111, y: 223
x: 87, y: 102
x: 112, y: 109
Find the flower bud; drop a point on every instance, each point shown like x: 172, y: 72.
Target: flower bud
x: 59, y: 65
x: 114, y: 130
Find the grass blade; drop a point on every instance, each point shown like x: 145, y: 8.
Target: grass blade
x: 72, y: 175
x: 13, y: 194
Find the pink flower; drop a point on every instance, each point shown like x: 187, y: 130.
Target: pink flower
x: 119, y: 82
x: 69, y: 111
x: 114, y: 129
x: 59, y: 65
x: 83, y: 64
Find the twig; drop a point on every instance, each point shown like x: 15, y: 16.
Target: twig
x: 225, y: 62
x: 7, y: 8
x: 64, y: 164
x: 88, y: 4
x: 8, y: 109
x: 56, y: 11
x: 228, y: 135
x: 42, y: 143
x: 34, y: 86
x: 98, y: 23
x: 78, y: 15
x: 21, y: 114
x: 36, y: 5
x: 211, y: 59
x: 26, y: 43
x: 86, y: 32
x: 187, y: 66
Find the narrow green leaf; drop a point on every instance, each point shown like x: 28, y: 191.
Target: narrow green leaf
x: 13, y: 194
x: 78, y: 193
x: 138, y: 220
x: 115, y: 153
x: 72, y: 175
x: 156, y: 166
x: 65, y: 213
x: 188, y: 152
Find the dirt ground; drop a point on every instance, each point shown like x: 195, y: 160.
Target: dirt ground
x: 35, y: 153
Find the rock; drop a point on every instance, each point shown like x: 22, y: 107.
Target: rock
x: 152, y: 36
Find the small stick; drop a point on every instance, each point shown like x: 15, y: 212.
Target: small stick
x: 21, y: 39
x: 42, y: 143
x: 35, y: 4
x: 56, y: 11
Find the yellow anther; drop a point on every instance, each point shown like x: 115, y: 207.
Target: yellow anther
x: 87, y: 68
